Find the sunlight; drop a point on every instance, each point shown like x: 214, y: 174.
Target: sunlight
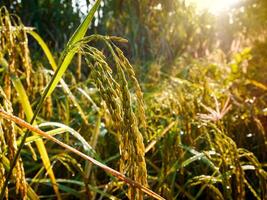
x: 214, y: 6
x: 82, y: 6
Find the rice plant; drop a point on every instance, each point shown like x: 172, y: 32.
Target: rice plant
x: 115, y: 94
x: 82, y: 124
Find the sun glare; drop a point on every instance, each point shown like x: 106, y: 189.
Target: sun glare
x: 214, y: 6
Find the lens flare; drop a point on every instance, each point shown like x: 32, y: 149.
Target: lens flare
x: 214, y: 6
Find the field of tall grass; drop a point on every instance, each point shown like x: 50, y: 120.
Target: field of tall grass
x: 84, y: 125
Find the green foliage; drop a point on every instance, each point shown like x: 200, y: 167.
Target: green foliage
x: 199, y: 132
x: 39, y: 14
x: 201, y: 155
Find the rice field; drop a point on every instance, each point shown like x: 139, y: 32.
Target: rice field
x: 153, y: 107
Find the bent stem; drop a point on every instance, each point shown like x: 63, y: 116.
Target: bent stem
x: 92, y: 160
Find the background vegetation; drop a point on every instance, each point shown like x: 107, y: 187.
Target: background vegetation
x: 173, y: 98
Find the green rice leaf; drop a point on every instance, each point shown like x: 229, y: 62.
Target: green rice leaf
x: 45, y: 48
x: 71, y: 49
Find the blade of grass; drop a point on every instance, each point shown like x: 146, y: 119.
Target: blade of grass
x: 36, y: 137
x: 88, y: 148
x: 45, y: 48
x: 81, y: 30
x: 99, y: 164
x: 69, y: 51
x: 53, y: 64
x: 31, y: 193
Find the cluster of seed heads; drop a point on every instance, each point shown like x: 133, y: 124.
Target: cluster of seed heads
x: 9, y: 147
x: 15, y: 60
x: 114, y: 90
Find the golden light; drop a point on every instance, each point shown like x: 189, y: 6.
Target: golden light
x: 213, y: 6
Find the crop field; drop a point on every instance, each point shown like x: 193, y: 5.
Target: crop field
x: 131, y: 99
